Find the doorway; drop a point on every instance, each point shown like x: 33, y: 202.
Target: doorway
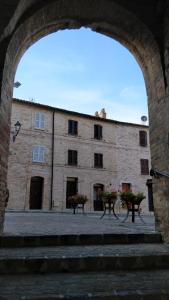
x: 97, y: 198
x: 126, y: 187
x: 36, y: 192
x: 71, y: 189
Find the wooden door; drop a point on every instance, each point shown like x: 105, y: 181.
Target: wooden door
x: 36, y: 192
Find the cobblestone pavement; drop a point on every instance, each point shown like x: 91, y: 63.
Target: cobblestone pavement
x: 50, y: 223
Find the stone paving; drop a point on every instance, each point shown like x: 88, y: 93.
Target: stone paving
x: 53, y: 223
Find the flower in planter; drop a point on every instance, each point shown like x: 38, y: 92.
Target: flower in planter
x: 130, y: 197
x: 140, y: 196
x: 109, y: 196
x: 78, y: 199
x: 127, y: 196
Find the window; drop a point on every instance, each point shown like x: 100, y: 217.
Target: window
x: 143, y: 138
x: 98, y: 132
x: 98, y: 160
x: 38, y: 154
x: 126, y: 187
x: 39, y: 120
x: 144, y: 166
x: 72, y: 157
x: 72, y: 127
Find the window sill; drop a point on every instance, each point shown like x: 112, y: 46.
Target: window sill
x: 38, y: 162
x: 42, y: 129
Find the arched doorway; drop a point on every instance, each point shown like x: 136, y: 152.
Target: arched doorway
x: 36, y: 192
x: 97, y: 199
x: 117, y: 21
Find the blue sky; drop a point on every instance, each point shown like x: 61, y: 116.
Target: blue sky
x: 83, y: 71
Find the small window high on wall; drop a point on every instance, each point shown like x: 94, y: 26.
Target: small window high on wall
x: 72, y: 157
x: 144, y: 164
x: 72, y: 127
x: 98, y: 132
x: 143, y: 138
x: 39, y: 120
x: 98, y: 160
x: 38, y: 153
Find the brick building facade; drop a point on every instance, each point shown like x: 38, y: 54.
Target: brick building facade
x: 59, y: 152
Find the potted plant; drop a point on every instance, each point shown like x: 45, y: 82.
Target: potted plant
x: 130, y: 198
x: 77, y: 199
x: 127, y: 197
x: 109, y: 197
x: 139, y: 197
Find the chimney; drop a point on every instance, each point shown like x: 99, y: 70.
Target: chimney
x: 102, y: 114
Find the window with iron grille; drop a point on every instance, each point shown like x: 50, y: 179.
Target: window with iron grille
x: 72, y: 157
x: 39, y: 120
x: 72, y: 127
x: 98, y: 160
x: 98, y: 132
x: 144, y: 164
x: 38, y: 153
x: 143, y: 138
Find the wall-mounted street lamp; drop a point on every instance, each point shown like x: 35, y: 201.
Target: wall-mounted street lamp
x: 17, y: 84
x: 17, y: 129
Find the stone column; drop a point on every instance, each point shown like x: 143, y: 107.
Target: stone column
x: 5, y: 109
x: 159, y: 143
x: 4, y: 136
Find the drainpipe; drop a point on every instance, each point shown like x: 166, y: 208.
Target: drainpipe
x: 52, y: 158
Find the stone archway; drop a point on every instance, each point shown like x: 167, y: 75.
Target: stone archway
x: 109, y: 18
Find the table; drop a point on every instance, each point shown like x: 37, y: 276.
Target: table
x: 76, y: 206
x: 133, y: 207
x: 109, y: 205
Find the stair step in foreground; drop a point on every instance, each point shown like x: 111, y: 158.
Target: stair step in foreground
x: 92, y: 286
x: 84, y: 258
x: 78, y: 239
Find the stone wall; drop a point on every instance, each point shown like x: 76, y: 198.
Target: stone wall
x: 119, y: 146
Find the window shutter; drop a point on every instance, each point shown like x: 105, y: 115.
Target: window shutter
x: 38, y: 154
x: 72, y: 157
x: 39, y: 120
x: 75, y: 127
x: 69, y: 127
x: 72, y: 127
x: 95, y: 131
x: 98, y: 160
x: 144, y: 166
x: 42, y: 121
x: 143, y: 138
x: 36, y: 120
x: 98, y: 132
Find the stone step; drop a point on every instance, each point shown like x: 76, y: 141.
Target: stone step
x: 84, y: 258
x: 78, y: 239
x: 119, y: 285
